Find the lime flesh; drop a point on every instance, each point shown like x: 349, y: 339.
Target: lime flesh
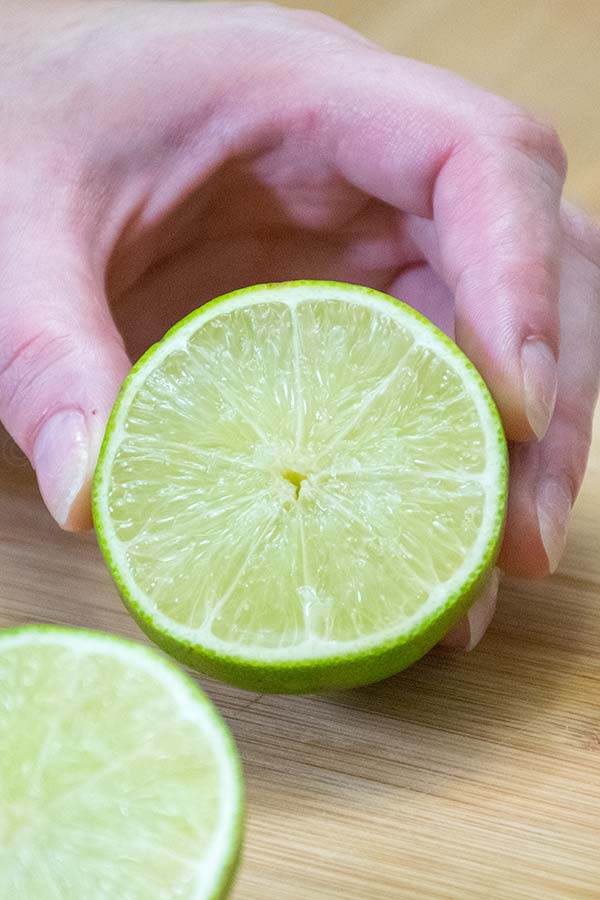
x: 117, y: 777
x: 301, y: 487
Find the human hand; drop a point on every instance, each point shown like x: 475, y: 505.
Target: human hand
x: 156, y: 154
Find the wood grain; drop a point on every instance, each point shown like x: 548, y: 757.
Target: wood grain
x: 474, y: 777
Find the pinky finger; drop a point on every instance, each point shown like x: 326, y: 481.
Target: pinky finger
x: 467, y: 633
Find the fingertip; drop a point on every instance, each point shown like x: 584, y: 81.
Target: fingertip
x: 522, y: 378
x: 554, y: 504
x: 61, y: 460
x: 540, y: 500
x: 467, y: 633
x: 522, y: 553
x: 64, y: 458
x: 79, y: 517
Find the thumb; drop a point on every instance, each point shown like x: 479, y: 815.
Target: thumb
x: 62, y: 361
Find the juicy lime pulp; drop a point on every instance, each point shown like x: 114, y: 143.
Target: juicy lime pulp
x: 301, y: 486
x: 117, y: 776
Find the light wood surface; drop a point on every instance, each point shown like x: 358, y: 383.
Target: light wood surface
x: 474, y: 777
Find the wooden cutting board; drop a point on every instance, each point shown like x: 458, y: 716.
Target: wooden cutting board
x: 474, y: 777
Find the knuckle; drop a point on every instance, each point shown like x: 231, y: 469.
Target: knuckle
x: 28, y: 360
x: 531, y: 136
x: 540, y: 141
x: 582, y: 232
x: 537, y: 278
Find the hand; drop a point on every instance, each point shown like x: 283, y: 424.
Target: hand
x: 156, y: 154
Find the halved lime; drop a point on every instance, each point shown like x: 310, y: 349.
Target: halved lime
x: 117, y: 776
x: 301, y: 487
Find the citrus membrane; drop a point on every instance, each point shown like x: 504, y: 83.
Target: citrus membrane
x: 301, y: 487
x: 118, y: 779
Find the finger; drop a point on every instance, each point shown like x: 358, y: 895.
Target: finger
x: 497, y: 216
x: 419, y: 286
x: 61, y: 364
x: 545, y: 478
x: 538, y: 401
x: 491, y: 178
x: 469, y: 631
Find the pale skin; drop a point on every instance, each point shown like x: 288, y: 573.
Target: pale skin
x: 157, y: 154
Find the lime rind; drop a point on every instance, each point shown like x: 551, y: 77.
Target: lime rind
x: 218, y: 872
x: 367, y: 659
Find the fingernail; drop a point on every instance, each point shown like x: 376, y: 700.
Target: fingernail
x: 554, y: 503
x: 468, y: 632
x: 61, y: 462
x: 540, y: 380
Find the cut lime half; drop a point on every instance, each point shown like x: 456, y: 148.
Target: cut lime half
x: 118, y: 779
x: 301, y: 487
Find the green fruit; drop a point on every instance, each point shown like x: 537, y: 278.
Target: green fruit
x: 117, y: 776
x: 301, y: 487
